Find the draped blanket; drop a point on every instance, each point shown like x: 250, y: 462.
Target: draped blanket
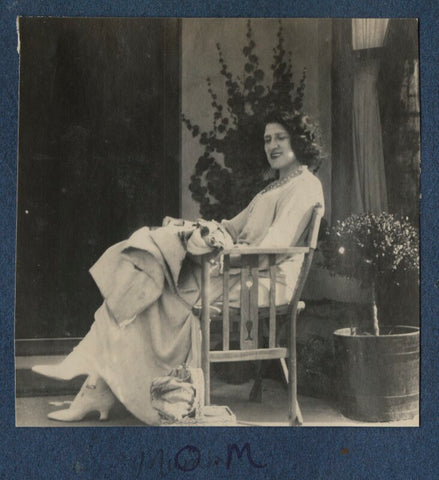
x: 132, y: 274
x: 144, y: 328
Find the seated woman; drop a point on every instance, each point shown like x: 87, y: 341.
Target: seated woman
x: 145, y: 326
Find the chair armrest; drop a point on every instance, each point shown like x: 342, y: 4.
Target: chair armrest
x: 237, y: 253
x: 247, y: 250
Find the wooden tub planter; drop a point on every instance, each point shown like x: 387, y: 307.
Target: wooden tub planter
x: 378, y: 376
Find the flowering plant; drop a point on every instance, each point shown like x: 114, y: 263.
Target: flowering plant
x: 371, y: 248
x: 233, y: 167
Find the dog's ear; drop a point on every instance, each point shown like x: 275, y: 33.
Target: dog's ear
x: 204, y: 230
x: 184, y: 236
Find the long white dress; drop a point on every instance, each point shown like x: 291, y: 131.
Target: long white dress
x: 129, y: 355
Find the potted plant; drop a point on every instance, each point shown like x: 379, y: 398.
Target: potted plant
x: 377, y: 367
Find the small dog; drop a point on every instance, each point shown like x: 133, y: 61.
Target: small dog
x: 202, y: 236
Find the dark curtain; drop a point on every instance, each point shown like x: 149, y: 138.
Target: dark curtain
x: 98, y: 156
x: 399, y: 102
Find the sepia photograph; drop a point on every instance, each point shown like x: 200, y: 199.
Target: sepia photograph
x: 218, y: 222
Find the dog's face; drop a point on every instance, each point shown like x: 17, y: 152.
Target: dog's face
x: 210, y: 232
x: 207, y: 236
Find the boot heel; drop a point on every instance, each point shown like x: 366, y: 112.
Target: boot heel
x: 89, y: 399
x: 103, y: 415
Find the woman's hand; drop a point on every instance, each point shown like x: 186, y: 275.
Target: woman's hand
x: 176, y: 222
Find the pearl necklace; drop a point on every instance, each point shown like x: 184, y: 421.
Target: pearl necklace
x: 279, y: 183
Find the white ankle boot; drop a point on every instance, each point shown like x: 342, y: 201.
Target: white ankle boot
x: 91, y: 398
x: 72, y: 366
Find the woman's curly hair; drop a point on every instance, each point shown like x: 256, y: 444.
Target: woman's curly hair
x: 303, y: 135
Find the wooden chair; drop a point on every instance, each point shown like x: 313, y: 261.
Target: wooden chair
x: 250, y: 315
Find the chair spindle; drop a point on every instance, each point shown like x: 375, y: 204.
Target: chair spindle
x: 226, y: 311
x: 249, y: 302
x: 272, y: 302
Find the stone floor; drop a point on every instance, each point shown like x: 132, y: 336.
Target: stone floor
x: 272, y: 411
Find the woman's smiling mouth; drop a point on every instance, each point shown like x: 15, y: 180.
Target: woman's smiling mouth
x: 275, y: 154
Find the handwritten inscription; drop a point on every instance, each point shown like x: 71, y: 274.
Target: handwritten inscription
x: 190, y: 458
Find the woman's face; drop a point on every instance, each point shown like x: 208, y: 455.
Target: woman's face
x: 280, y: 156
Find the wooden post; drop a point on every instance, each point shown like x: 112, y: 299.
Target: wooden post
x: 205, y: 326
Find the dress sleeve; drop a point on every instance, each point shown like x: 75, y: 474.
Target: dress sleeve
x: 235, y: 225
x: 293, y: 214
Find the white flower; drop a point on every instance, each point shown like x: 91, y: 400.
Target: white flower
x: 341, y: 250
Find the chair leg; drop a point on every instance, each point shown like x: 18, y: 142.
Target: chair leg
x: 293, y: 411
x: 299, y: 418
x: 283, y: 364
x: 205, y: 327
x: 256, y: 391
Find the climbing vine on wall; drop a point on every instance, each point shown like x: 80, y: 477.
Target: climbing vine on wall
x: 233, y: 167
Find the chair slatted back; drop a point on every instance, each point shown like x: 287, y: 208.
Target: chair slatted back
x: 249, y: 312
